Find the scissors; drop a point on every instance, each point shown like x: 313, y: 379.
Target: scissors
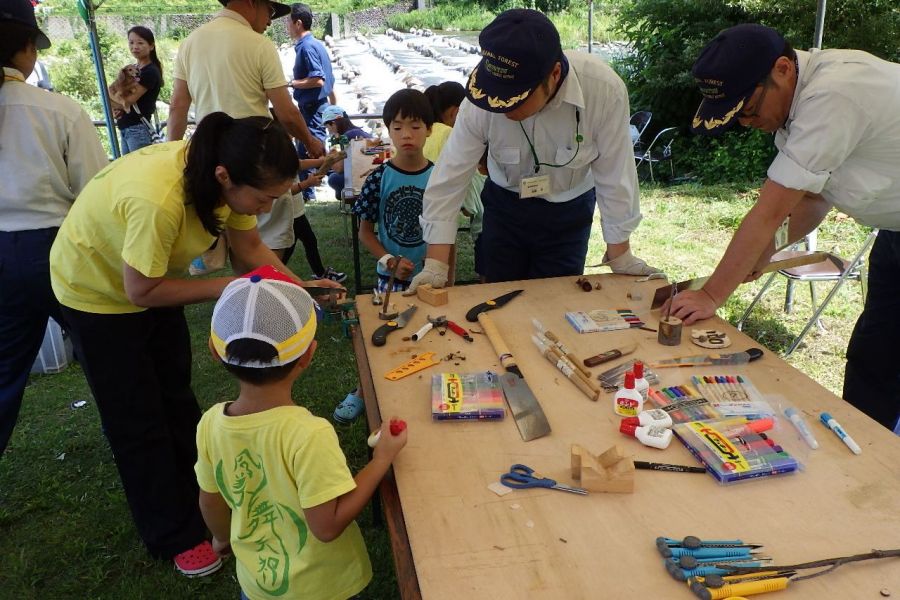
x: 521, y: 477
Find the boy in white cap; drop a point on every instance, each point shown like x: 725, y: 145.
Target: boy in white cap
x: 270, y: 472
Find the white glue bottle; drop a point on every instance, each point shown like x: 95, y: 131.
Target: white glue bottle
x: 640, y: 384
x: 654, y: 417
x: 628, y: 402
x: 655, y: 437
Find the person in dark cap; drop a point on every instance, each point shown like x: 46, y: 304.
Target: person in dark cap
x: 49, y: 150
x: 836, y: 119
x: 555, y: 125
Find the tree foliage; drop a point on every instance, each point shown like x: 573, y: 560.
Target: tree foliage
x: 666, y: 36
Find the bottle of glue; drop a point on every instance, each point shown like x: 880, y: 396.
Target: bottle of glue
x: 655, y: 437
x: 397, y: 425
x: 628, y: 402
x: 640, y: 383
x: 654, y: 417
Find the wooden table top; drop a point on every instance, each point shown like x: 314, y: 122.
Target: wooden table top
x: 468, y: 542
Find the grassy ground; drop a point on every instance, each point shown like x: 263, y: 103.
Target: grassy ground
x: 66, y: 530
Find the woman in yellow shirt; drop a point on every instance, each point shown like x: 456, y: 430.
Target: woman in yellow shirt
x: 117, y: 267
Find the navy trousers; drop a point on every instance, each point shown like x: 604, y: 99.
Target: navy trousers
x: 872, y: 376
x: 139, y: 368
x: 26, y: 301
x: 530, y: 238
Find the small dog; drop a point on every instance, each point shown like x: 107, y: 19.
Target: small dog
x: 124, y: 86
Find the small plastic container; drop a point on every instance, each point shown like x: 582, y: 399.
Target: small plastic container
x: 655, y: 437
x: 654, y: 417
x: 640, y: 384
x: 56, y: 350
x: 627, y: 401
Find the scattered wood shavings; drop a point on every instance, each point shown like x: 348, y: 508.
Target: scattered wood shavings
x: 885, y: 592
x: 499, y: 547
x: 515, y: 506
x: 564, y: 540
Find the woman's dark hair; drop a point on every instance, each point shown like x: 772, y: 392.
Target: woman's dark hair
x: 147, y: 35
x: 248, y: 350
x: 410, y: 104
x: 443, y: 96
x: 13, y: 38
x: 255, y: 151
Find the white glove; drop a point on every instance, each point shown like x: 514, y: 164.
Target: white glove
x: 629, y: 264
x: 434, y: 273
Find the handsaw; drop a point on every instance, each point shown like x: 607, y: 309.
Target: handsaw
x: 497, y: 302
x: 705, y: 360
x: 525, y: 408
x: 662, y: 294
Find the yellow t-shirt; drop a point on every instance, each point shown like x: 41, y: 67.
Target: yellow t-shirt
x: 132, y: 211
x: 435, y: 142
x: 268, y: 467
x: 228, y: 67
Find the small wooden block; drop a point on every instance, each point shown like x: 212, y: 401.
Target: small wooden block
x: 609, y: 472
x: 429, y: 295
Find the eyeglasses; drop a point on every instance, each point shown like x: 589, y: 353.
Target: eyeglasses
x: 271, y: 9
x: 745, y: 114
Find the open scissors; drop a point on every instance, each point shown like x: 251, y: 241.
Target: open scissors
x: 521, y: 476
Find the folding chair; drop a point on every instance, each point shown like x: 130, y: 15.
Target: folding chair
x: 659, y: 150
x: 835, y: 269
x: 639, y: 122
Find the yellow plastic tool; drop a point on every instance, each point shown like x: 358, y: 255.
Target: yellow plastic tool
x: 746, y: 588
x: 422, y: 361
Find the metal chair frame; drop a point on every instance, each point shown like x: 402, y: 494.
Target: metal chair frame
x: 855, y: 268
x: 652, y: 154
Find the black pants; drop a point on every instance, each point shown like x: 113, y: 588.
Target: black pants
x: 26, y: 300
x: 530, y: 238
x: 303, y: 231
x: 139, y: 368
x: 872, y: 377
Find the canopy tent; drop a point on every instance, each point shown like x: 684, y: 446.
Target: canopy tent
x: 87, y: 8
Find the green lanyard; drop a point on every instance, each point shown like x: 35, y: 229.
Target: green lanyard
x: 578, y: 139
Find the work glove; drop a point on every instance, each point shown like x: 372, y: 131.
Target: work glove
x: 434, y: 273
x: 628, y: 264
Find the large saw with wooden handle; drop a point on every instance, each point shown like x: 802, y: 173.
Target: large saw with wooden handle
x: 525, y: 408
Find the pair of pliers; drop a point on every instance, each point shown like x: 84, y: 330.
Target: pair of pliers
x: 441, y: 322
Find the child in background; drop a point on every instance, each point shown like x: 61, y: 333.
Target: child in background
x: 391, y: 197
x: 445, y: 100
x: 270, y: 472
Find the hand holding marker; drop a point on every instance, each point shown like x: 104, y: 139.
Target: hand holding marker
x: 833, y: 425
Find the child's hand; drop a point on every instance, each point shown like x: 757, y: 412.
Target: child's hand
x: 221, y: 548
x: 313, y: 180
x: 393, y: 438
x: 405, y: 269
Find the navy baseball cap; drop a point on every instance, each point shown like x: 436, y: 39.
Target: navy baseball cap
x: 278, y: 9
x: 518, y: 49
x: 22, y: 12
x: 728, y: 71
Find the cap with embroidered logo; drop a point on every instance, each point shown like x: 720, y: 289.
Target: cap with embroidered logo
x: 727, y: 72
x: 264, y: 305
x: 22, y: 12
x: 519, y: 49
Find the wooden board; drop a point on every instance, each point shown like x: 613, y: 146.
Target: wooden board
x: 466, y: 542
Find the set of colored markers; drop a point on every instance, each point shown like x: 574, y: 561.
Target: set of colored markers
x: 683, y: 403
x: 733, y: 396
x: 735, y: 449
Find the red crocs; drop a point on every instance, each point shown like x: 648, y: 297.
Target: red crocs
x: 199, y: 561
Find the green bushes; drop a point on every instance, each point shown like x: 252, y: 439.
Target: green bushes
x: 667, y: 35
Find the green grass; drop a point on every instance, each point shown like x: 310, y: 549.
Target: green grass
x: 66, y: 530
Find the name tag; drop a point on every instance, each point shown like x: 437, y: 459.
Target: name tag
x: 539, y: 185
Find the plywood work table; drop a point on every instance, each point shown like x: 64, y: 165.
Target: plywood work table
x: 453, y: 538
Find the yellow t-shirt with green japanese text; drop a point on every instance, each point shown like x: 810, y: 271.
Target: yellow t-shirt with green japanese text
x: 133, y: 211
x: 269, y: 466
